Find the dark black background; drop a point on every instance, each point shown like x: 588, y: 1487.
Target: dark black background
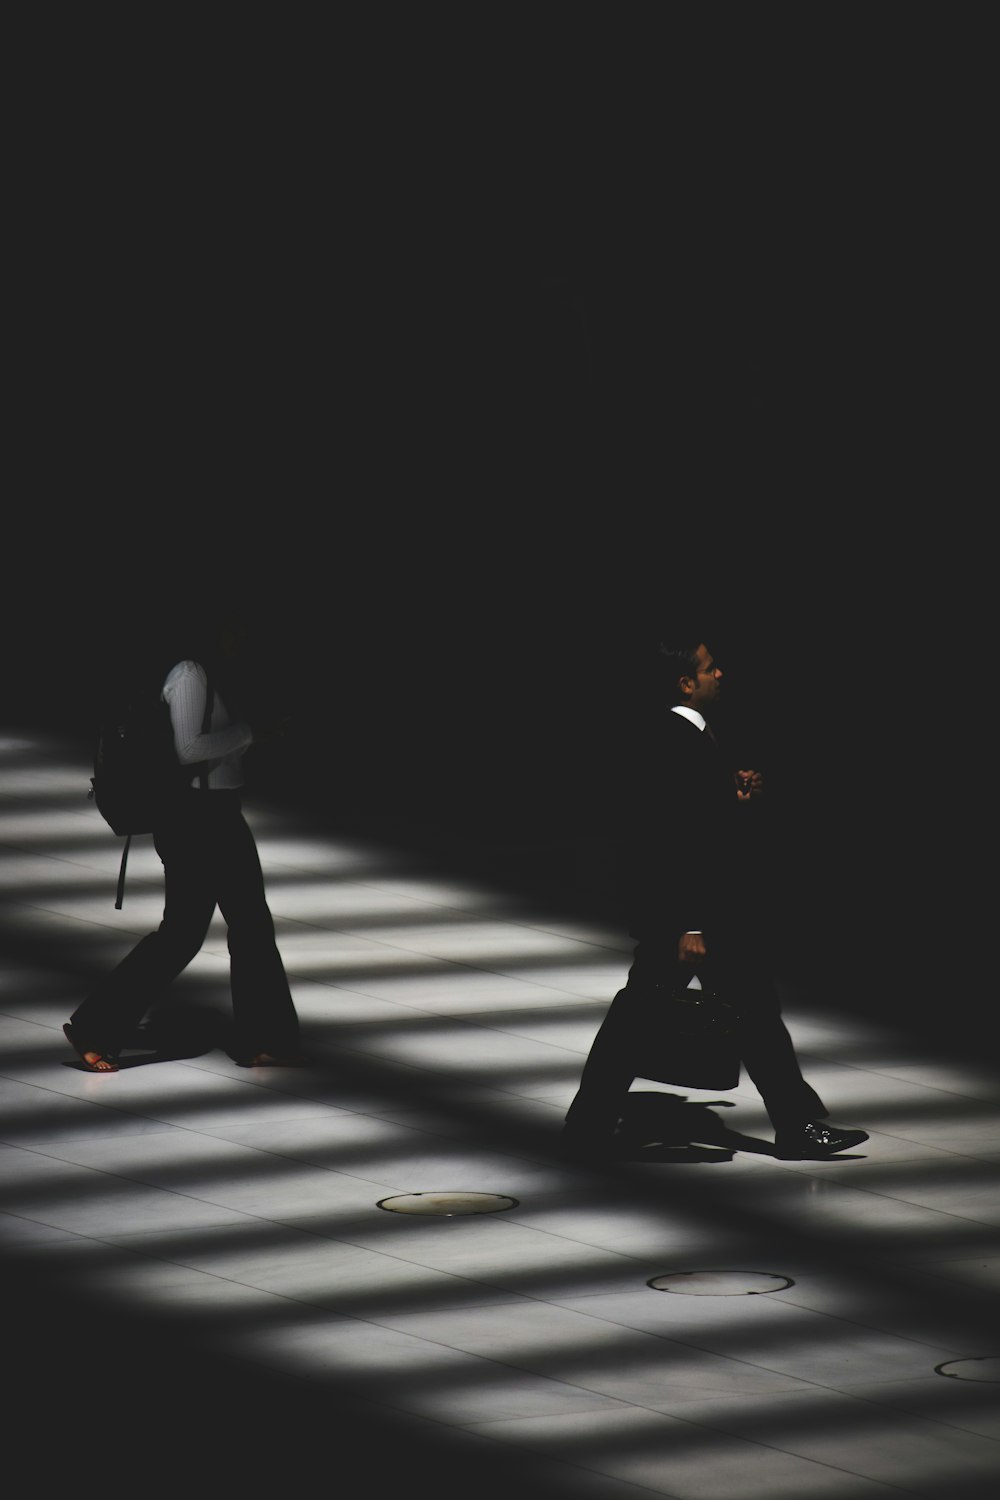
x: 466, y: 353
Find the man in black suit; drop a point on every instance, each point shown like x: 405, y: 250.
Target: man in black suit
x: 695, y: 902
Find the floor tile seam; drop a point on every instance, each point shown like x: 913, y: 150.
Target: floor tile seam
x: 351, y: 1177
x: 516, y: 1298
x: 76, y: 1234
x: 457, y: 965
x: 792, y: 1167
x: 949, y: 1151
x: 63, y: 916
x: 693, y: 1345
x: 622, y: 1487
x: 472, y: 1425
x: 255, y: 1360
x: 403, y: 1065
x: 751, y: 1224
x: 812, y: 1387
x: 432, y: 1133
x: 439, y: 1070
x: 373, y: 1058
x: 31, y: 1145
x: 215, y: 1140
x: 104, y: 882
x: 921, y: 1160
x: 703, y: 1425
x: 473, y: 917
x: 532, y: 1372
x: 349, y: 930
x: 905, y: 1338
x: 149, y: 885
x: 803, y: 1166
x: 414, y: 1008
x: 450, y: 963
x: 828, y: 1059
x: 167, y: 1126
x: 932, y: 1420
x: 941, y: 1213
x: 933, y: 1269
x: 624, y: 1330
x: 304, y: 1227
x: 188, y: 1197
x: 515, y: 1301
x: 133, y: 935
x: 181, y: 1062
x: 872, y: 1271
x: 102, y: 1240
x: 435, y: 1134
x: 118, y: 1110
x: 464, y: 1017
x: 23, y: 1218
x: 464, y: 1020
x: 98, y: 833
x: 912, y: 1203
x: 286, y: 1155
x: 509, y: 1298
x: 12, y: 852
x: 716, y: 1428
x: 105, y: 877
x: 26, y: 803
x: 765, y: 1161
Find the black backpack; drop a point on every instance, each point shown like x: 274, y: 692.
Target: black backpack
x: 137, y: 776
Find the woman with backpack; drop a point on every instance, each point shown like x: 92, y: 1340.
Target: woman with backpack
x: 210, y: 860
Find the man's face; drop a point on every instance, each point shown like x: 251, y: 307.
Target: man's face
x: 703, y: 688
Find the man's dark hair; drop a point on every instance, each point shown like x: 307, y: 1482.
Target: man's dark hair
x: 674, y: 661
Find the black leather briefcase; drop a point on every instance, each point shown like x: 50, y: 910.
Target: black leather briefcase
x: 690, y: 1037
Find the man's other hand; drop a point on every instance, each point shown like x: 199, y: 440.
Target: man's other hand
x: 749, y: 784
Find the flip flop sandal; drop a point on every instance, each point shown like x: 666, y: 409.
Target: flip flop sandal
x: 102, y: 1065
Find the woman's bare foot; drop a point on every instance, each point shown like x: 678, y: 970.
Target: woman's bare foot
x: 94, y: 1062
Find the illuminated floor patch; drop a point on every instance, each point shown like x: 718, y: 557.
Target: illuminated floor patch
x: 720, y: 1283
x: 447, y: 1203
x: 983, y: 1367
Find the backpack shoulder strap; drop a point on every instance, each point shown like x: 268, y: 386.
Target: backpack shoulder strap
x: 206, y: 724
x: 120, y: 889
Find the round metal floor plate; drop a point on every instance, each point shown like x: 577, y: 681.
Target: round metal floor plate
x: 985, y: 1367
x: 447, y: 1203
x: 720, y: 1283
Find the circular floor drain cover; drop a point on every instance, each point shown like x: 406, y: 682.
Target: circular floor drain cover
x: 720, y: 1283
x: 984, y: 1367
x: 447, y: 1203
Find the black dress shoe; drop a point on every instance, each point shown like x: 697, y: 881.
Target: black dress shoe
x: 815, y: 1141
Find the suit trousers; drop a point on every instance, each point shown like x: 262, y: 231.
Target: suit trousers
x: 739, y: 973
x: 209, y: 859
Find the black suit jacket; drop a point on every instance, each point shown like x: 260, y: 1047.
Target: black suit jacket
x: 687, y: 859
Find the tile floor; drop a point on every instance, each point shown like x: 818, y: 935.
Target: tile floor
x: 198, y: 1253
